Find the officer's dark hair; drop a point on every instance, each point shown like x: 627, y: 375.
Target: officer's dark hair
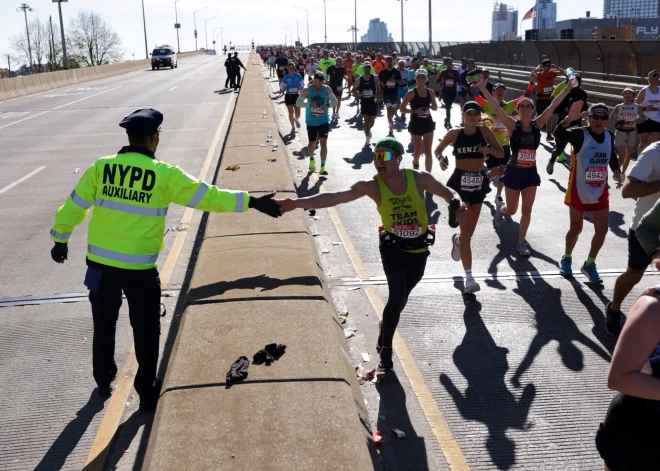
x: 141, y: 141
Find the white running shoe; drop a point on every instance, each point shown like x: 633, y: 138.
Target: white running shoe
x: 499, y: 202
x: 456, y: 247
x: 471, y: 286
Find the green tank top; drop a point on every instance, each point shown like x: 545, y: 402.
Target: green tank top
x: 403, y: 215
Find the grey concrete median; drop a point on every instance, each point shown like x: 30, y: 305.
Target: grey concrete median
x: 29, y: 84
x: 257, y: 281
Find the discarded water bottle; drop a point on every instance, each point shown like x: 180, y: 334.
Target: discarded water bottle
x: 270, y: 137
x: 570, y: 73
x: 264, y: 115
x: 275, y: 147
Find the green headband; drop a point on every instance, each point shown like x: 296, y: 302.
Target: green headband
x: 391, y: 144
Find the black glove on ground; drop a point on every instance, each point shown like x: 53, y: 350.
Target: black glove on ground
x: 238, y: 370
x: 59, y: 252
x: 266, y: 205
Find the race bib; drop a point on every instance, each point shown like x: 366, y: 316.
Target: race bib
x: 654, y: 105
x: 547, y: 90
x: 316, y: 111
x: 390, y: 84
x: 368, y: 93
x: 339, y: 89
x: 426, y: 112
x: 499, y: 127
x: 471, y: 181
x: 596, y: 176
x: 292, y: 90
x: 407, y: 231
x: 526, y: 157
x: 449, y: 82
x: 283, y: 67
x: 629, y: 119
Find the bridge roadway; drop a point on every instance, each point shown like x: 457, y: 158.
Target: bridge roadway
x: 517, y: 371
x: 49, y: 414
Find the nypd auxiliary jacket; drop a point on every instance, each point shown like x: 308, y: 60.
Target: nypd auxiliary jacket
x: 131, y: 192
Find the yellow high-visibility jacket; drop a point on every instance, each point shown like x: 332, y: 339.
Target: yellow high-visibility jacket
x: 131, y: 192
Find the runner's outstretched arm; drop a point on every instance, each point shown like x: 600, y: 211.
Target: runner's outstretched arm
x: 327, y: 200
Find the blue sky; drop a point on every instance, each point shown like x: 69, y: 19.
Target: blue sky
x: 265, y: 20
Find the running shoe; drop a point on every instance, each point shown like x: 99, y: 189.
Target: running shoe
x: 312, y: 165
x: 456, y: 247
x: 523, y: 249
x: 471, y: 286
x: 385, y: 362
x: 550, y: 168
x: 298, y: 124
x: 550, y: 137
x: 612, y: 321
x: 561, y: 158
x: 323, y: 170
x: 499, y: 202
x: 591, y: 273
x: 565, y: 268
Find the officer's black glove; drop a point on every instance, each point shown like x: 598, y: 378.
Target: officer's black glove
x: 59, y: 252
x: 266, y: 205
x: 454, y: 204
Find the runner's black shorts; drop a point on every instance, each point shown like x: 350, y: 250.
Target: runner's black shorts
x: 368, y: 107
x: 542, y: 105
x: 318, y: 132
x: 493, y: 161
x: 391, y: 98
x: 280, y: 73
x: 337, y: 92
x: 470, y: 197
x: 517, y: 178
x: 448, y: 96
x: 638, y: 259
x: 627, y: 439
x: 560, y: 146
x: 648, y: 126
x: 420, y: 126
x: 290, y: 99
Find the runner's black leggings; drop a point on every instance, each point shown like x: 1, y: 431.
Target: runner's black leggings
x: 403, y: 271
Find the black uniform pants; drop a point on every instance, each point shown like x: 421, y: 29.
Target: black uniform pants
x: 143, y: 292
x: 229, y: 73
x: 403, y: 271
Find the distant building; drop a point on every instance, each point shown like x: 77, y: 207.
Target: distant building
x: 377, y: 33
x: 546, y: 15
x: 505, y: 22
x: 631, y: 8
x: 588, y: 28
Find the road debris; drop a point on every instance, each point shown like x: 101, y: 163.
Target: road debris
x: 365, y: 356
x: 399, y: 433
x: 365, y: 374
x: 272, y: 160
x: 348, y: 333
x: 378, y: 438
x: 233, y: 168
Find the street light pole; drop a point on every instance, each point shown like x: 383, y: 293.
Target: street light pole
x: 297, y: 29
x: 25, y: 8
x: 214, y: 37
x: 195, y: 22
x: 307, y: 12
x: 65, y: 59
x: 144, y: 22
x: 177, y: 27
x: 206, y: 35
x: 430, y: 32
x: 355, y: 30
x: 402, y: 40
x: 325, y: 24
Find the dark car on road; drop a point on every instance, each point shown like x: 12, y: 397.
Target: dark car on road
x: 163, y: 57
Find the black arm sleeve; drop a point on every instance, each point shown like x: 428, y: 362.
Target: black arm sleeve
x: 575, y: 136
x: 614, y: 158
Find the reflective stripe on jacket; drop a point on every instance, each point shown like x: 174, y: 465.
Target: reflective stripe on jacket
x: 131, y: 192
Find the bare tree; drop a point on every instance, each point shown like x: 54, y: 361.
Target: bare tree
x: 46, y: 49
x: 92, y: 40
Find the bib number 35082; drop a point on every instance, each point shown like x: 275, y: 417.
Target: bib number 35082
x: 471, y: 181
x: 407, y: 231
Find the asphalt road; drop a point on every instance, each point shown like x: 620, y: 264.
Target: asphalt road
x: 518, y: 370
x: 49, y: 413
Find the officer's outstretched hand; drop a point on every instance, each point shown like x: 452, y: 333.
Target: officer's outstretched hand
x: 59, y: 252
x: 266, y: 205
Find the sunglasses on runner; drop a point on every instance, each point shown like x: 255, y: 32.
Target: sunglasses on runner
x: 598, y: 117
x: 384, y: 155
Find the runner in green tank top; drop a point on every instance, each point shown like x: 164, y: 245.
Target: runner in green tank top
x: 399, y: 195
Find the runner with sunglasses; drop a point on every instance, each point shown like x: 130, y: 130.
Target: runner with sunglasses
x: 521, y: 176
x: 472, y: 144
x: 593, y: 151
x: 421, y: 100
x: 405, y: 235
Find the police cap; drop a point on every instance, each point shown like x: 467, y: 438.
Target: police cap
x: 142, y: 122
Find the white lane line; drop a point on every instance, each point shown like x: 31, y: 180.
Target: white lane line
x: 173, y: 88
x: 58, y: 107
x: 12, y: 185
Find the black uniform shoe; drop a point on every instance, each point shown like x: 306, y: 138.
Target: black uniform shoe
x: 385, y: 363
x: 612, y: 321
x: 105, y: 391
x: 149, y: 401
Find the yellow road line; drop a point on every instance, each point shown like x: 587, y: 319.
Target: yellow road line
x: 434, y: 416
x: 114, y: 411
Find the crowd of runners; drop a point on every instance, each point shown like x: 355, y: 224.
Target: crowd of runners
x: 494, y: 143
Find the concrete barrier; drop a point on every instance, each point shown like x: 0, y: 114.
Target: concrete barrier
x: 25, y: 85
x: 257, y: 281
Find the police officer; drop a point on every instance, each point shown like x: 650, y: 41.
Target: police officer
x: 236, y: 65
x: 131, y: 192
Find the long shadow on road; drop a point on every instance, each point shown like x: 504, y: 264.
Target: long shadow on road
x: 487, y: 399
